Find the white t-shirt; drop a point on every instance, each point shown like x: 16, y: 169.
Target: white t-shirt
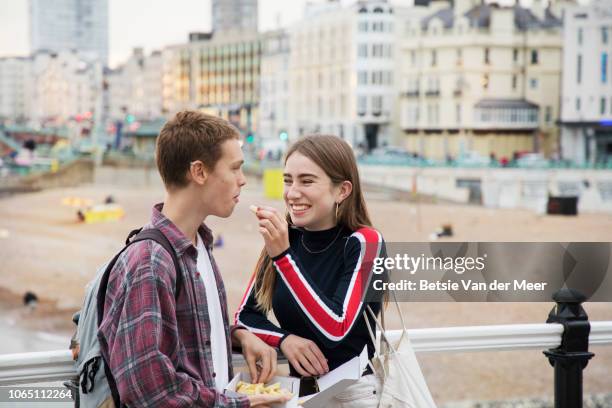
x: 217, y: 331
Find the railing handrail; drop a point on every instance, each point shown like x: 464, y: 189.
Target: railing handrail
x: 57, y: 365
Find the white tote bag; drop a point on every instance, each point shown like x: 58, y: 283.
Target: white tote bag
x: 403, y: 383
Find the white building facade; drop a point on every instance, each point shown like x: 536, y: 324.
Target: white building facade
x: 343, y: 71
x: 274, y: 86
x: 65, y: 87
x: 481, y: 78
x: 586, y: 119
x: 135, y: 87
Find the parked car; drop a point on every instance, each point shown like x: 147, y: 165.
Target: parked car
x: 473, y: 159
x: 532, y: 161
x: 393, y: 155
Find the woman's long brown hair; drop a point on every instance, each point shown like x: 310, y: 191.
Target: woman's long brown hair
x: 337, y: 160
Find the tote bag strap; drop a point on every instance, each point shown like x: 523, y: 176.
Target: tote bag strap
x: 376, y: 347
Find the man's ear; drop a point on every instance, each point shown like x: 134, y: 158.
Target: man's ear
x: 346, y: 188
x: 198, y: 172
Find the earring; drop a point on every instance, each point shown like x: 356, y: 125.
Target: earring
x: 337, y: 205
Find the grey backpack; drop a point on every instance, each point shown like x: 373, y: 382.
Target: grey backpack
x: 96, y: 382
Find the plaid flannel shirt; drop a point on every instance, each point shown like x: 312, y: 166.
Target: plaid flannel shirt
x: 158, y: 349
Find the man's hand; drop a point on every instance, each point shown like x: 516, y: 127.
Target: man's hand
x: 260, y: 358
x: 265, y: 400
x: 304, y: 355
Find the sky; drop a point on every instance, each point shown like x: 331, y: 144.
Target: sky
x: 151, y: 24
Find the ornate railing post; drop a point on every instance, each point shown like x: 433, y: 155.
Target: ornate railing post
x: 572, y: 356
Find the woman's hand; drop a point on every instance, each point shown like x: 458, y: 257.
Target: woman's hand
x: 304, y: 355
x: 274, y: 229
x: 261, y: 358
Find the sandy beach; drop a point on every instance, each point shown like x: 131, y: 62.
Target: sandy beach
x: 46, y: 251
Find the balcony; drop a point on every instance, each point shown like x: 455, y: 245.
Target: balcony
x: 432, y: 93
x: 506, y: 114
x: 413, y: 93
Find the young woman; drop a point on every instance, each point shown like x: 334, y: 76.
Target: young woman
x: 314, y: 270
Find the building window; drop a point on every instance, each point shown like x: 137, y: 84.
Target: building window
x: 459, y: 57
x: 362, y: 51
x: 486, y: 56
x: 377, y: 77
x: 548, y: 114
x: 377, y: 102
x: 434, y: 58
x: 534, y: 57
x: 604, y: 35
x: 377, y: 50
x: 578, y: 104
x: 515, y: 55
x: 514, y: 82
x: 458, y: 114
x: 579, y: 69
x: 533, y: 83
x: 413, y: 58
x: 362, y: 77
x: 362, y: 105
x: 363, y: 26
x: 604, y: 67
x: 602, y: 106
x: 580, y: 35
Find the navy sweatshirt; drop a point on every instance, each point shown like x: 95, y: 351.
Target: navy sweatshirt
x: 319, y: 293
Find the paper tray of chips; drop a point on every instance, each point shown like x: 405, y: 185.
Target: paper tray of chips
x: 330, y: 384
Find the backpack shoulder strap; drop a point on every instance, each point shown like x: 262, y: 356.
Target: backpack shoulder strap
x: 159, y: 237
x: 139, y: 235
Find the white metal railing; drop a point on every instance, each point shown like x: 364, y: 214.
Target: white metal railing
x: 48, y: 366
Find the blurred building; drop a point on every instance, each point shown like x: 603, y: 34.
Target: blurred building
x: 481, y: 77
x: 238, y: 16
x: 14, y: 89
x: 274, y: 86
x: 586, y: 119
x: 342, y: 72
x: 63, y: 25
x: 65, y: 87
x: 135, y: 87
x: 218, y: 75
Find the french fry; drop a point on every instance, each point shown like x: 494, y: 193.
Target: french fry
x: 260, y: 388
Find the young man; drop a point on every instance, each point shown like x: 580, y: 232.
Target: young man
x: 177, y: 353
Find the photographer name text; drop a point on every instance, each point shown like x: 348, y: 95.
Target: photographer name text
x: 464, y: 284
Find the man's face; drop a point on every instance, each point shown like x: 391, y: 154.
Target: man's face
x: 223, y: 184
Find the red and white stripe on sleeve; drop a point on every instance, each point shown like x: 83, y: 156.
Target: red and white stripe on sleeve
x: 254, y: 320
x: 334, y: 319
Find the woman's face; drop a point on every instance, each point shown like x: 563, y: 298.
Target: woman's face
x: 309, y: 194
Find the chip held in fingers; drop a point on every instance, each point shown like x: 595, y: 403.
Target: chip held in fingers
x: 253, y: 208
